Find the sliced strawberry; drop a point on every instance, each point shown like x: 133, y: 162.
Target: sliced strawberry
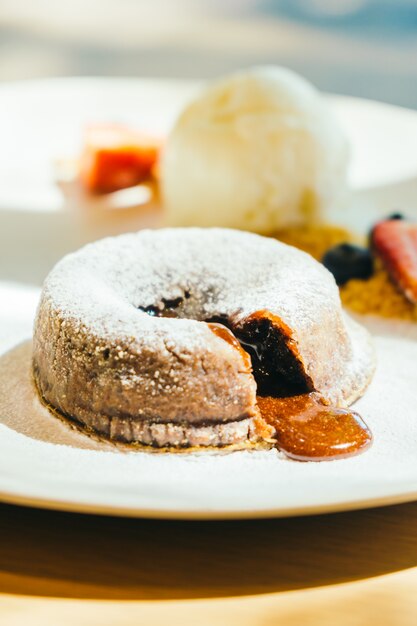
x: 115, y: 157
x: 395, y: 242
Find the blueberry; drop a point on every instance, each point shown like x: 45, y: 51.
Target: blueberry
x: 396, y: 216
x: 347, y: 261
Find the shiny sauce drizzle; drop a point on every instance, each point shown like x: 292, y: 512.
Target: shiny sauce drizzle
x: 306, y: 429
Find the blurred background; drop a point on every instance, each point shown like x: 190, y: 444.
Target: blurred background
x: 365, y: 48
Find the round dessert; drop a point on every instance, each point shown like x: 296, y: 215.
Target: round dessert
x: 261, y: 150
x: 165, y: 337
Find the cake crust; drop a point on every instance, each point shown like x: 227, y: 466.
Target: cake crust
x: 100, y: 358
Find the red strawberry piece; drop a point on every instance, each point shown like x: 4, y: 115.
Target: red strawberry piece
x: 395, y: 242
x: 115, y: 157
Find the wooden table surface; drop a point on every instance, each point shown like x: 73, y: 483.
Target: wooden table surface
x: 343, y: 569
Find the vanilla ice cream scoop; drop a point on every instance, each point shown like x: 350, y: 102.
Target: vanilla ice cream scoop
x: 259, y: 150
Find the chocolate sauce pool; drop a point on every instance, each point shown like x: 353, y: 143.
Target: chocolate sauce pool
x: 306, y: 429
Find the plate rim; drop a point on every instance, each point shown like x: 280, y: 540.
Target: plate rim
x: 74, y: 506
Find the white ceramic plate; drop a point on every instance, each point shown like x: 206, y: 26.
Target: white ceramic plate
x: 46, y: 463
x: 43, y: 462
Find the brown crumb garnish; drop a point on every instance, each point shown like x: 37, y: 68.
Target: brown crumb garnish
x: 316, y: 240
x: 377, y: 295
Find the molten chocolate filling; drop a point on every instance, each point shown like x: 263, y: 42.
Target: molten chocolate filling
x: 276, y: 370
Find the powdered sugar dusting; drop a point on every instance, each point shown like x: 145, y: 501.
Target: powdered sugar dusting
x: 214, y: 265
x: 99, y: 290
